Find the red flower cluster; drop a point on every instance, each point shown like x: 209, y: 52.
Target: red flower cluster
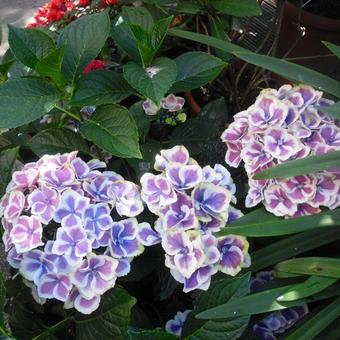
x: 51, y: 12
x: 94, y: 65
x: 55, y: 10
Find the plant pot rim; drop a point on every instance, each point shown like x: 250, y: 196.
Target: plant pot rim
x: 310, y: 19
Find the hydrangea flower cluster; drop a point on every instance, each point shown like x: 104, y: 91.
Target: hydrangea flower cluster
x: 277, y: 322
x: 59, y: 231
x: 283, y: 125
x: 175, y: 326
x: 192, y: 203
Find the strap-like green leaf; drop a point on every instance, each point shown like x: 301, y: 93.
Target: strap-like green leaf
x: 335, y: 49
x: 313, y: 326
x: 302, y: 166
x: 276, y: 227
x: 333, y: 110
x: 286, y: 69
x: 292, y: 246
x: 321, y: 266
x: 312, y: 285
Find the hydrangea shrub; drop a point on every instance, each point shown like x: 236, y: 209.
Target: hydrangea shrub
x: 192, y: 204
x: 63, y: 229
x: 284, y: 125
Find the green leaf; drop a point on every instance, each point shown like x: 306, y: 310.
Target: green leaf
x: 311, y: 328
x: 100, y: 87
x: 264, y: 301
x: 29, y: 45
x: 219, y: 292
x: 237, y: 8
x: 143, y: 121
x: 110, y: 320
x: 50, y: 66
x: 122, y: 33
x: 138, y: 16
x: 113, y: 129
x: 3, y: 328
x: 25, y: 100
x: 321, y: 266
x: 57, y: 140
x: 302, y: 166
x: 195, y: 69
x: 335, y: 49
x: 153, y: 82
x: 84, y: 38
x: 276, y: 227
x: 292, y: 246
x: 293, y: 71
x: 333, y: 110
x: 144, y: 44
x: 282, y: 67
x: 7, y: 160
x: 188, y: 7
x: 312, y: 285
x: 155, y: 334
x: 159, y: 31
x: 219, y: 29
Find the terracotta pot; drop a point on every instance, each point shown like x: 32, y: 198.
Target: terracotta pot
x: 317, y: 29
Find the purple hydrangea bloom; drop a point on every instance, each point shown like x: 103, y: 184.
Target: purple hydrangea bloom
x: 175, y: 325
x: 128, y: 200
x: 157, y: 191
x: 26, y: 233
x: 97, y: 219
x: 277, y: 201
x: 81, y: 303
x: 54, y: 286
x: 210, y: 200
x: 172, y: 103
x: 183, y: 177
x: 124, y: 240
x: 177, y: 154
x: 59, y: 179
x: 71, y: 242
x: 15, y: 203
x: 233, y: 254
x: 180, y: 214
x: 147, y: 236
x: 183, y: 253
x: 72, y: 209
x: 95, y: 275
x: 99, y: 189
x: 150, y: 108
x: 34, y: 265
x: 44, y: 202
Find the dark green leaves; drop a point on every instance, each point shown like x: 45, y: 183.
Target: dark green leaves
x: 272, y: 226
x: 333, y: 110
x: 3, y: 329
x: 50, y: 66
x: 113, y: 129
x: 84, y: 38
x: 100, y: 87
x: 195, y: 69
x: 110, y: 320
x: 321, y: 266
x: 25, y: 100
x: 154, y: 81
x: 7, y: 160
x: 335, y: 49
x: 56, y: 140
x: 238, y: 8
x: 219, y: 292
x: 286, y: 69
x: 29, y: 45
x: 320, y: 321
x: 302, y: 166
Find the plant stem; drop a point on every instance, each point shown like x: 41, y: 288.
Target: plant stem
x: 74, y: 116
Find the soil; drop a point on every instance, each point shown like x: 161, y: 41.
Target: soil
x: 325, y: 8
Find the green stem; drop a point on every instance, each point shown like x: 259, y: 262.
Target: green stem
x: 74, y: 116
x: 53, y: 329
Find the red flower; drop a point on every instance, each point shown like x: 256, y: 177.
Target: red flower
x: 84, y: 3
x: 94, y: 65
x: 105, y: 3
